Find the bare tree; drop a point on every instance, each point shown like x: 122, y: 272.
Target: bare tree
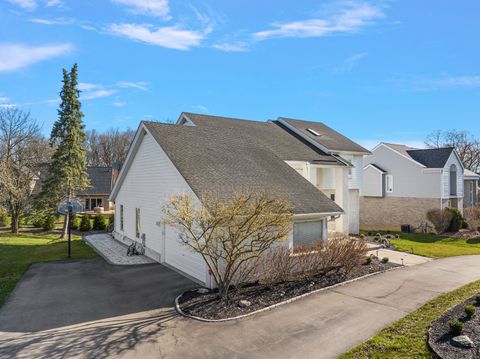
x: 22, y: 148
x: 466, y: 145
x: 229, y: 233
x: 105, y: 149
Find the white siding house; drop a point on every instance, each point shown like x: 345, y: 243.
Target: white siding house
x: 401, y: 184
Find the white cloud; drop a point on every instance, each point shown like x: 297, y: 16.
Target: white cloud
x: 158, y: 8
x: 51, y: 3
x: 98, y: 93
x: 202, y: 108
x: 172, y: 37
x: 350, y: 18
x: 141, y: 85
x: 231, y: 47
x: 350, y: 63
x: 17, y: 56
x: 119, y: 103
x: 445, y: 82
x: 59, y: 21
x: 28, y: 5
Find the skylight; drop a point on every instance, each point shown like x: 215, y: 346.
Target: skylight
x: 313, y: 131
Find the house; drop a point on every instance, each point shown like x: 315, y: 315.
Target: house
x: 470, y: 185
x: 209, y: 154
x: 102, y: 180
x: 400, y: 184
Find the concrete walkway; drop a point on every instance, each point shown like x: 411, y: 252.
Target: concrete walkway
x: 397, y: 257
x: 322, y: 325
x: 113, y: 251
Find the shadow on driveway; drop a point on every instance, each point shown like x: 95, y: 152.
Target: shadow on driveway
x: 53, y: 295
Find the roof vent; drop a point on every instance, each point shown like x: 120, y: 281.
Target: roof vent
x: 313, y: 131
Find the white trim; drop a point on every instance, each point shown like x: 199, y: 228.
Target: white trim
x: 184, y: 120
x: 374, y: 167
x: 305, y: 216
x: 399, y: 153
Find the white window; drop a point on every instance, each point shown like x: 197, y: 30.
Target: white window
x: 389, y: 183
x: 307, y: 233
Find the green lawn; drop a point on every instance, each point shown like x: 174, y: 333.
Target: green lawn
x: 430, y: 245
x: 407, y: 338
x: 18, y: 252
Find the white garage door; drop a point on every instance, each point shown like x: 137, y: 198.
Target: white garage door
x: 182, y: 258
x: 306, y: 233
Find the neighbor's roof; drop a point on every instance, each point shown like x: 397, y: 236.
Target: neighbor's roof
x: 328, y: 137
x: 241, y: 156
x: 471, y: 174
x: 100, y: 181
x: 430, y: 157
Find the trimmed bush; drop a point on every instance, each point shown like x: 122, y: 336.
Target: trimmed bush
x: 385, y: 260
x: 456, y: 326
x: 457, y: 220
x: 85, y: 224
x: 48, y: 222
x: 99, y: 223
x: 75, y: 223
x: 469, y: 311
x: 368, y: 260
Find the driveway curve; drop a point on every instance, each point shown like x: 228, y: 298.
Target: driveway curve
x: 322, y: 325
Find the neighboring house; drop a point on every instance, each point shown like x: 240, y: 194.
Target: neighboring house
x: 470, y: 185
x: 102, y: 180
x: 207, y: 154
x: 400, y: 184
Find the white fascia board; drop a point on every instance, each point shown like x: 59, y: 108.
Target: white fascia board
x: 363, y: 153
x: 141, y: 131
x: 184, y: 119
x: 398, y: 153
x: 374, y: 167
x: 315, y: 215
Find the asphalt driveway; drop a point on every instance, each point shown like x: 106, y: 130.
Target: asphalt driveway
x: 52, y: 295
x: 140, y: 323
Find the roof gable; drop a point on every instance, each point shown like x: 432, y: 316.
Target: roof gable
x: 100, y: 181
x: 432, y: 157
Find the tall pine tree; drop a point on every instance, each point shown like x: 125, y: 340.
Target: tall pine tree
x: 68, y: 168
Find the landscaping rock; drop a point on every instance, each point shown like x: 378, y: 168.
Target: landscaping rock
x: 462, y: 341
x: 244, y: 303
x: 203, y: 291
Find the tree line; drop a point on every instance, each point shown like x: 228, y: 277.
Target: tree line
x: 69, y: 150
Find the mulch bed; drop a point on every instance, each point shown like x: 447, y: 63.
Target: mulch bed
x: 208, y: 306
x: 439, y: 337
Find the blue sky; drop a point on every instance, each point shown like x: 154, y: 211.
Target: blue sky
x: 374, y: 70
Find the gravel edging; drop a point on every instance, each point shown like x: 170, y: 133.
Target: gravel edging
x: 180, y: 311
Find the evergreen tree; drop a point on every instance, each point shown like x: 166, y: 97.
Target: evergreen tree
x: 68, y: 168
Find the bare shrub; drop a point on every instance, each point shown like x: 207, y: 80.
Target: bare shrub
x: 472, y: 217
x: 345, y: 253
x: 440, y: 218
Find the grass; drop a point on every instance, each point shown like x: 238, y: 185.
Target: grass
x: 407, y: 338
x: 19, y: 251
x: 434, y: 246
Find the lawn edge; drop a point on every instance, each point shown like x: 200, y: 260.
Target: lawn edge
x: 273, y: 306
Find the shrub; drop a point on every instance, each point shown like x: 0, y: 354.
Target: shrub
x: 111, y: 220
x: 368, y: 260
x: 385, y: 260
x: 472, y: 217
x: 75, y: 223
x: 277, y: 266
x: 469, y: 311
x: 99, y: 222
x: 85, y: 224
x: 456, y: 326
x: 440, y: 218
x: 4, y: 220
x: 389, y: 236
x: 477, y: 299
x: 362, y: 236
x: 48, y: 222
x: 457, y: 220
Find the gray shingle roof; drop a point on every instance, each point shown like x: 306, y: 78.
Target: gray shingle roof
x: 328, y: 138
x: 235, y: 156
x: 100, y: 180
x: 432, y: 157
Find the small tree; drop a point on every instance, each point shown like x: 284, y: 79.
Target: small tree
x: 440, y: 218
x: 99, y: 222
x: 85, y: 224
x: 229, y: 233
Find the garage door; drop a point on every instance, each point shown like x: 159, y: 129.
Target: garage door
x: 182, y: 258
x: 306, y: 233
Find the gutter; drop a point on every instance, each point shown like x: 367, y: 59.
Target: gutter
x: 316, y: 215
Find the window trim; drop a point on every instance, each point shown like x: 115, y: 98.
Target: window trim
x: 121, y: 218
x: 389, y: 184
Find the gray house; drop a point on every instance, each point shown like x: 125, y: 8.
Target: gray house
x: 470, y: 185
x: 401, y: 184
